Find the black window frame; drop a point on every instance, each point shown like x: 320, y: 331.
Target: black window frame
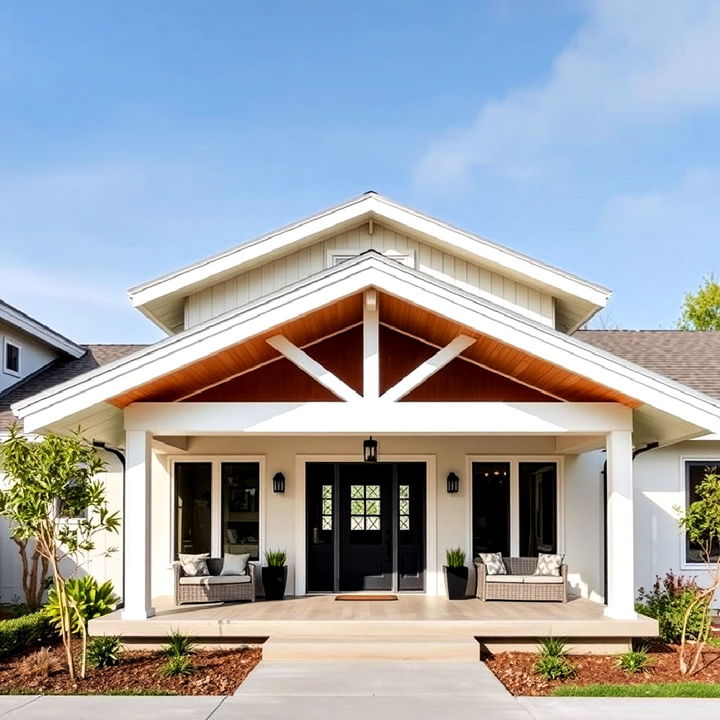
x: 7, y: 346
x: 688, y: 500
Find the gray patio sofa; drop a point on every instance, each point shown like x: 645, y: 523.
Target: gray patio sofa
x: 520, y: 583
x: 214, y: 587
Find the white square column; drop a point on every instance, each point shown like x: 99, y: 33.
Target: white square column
x: 620, y: 591
x: 136, y: 563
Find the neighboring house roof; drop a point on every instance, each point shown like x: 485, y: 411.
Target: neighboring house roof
x: 70, y: 400
x: 24, y: 322
x: 162, y: 299
x: 688, y: 357
x: 59, y: 371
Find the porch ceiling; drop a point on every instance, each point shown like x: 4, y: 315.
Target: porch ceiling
x: 488, y: 370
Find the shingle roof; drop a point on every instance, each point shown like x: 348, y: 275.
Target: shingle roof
x: 57, y: 372
x: 691, y: 358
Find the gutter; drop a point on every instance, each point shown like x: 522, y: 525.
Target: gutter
x: 102, y: 445
x: 636, y: 452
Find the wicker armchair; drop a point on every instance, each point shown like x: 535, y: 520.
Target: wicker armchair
x: 214, y: 587
x: 520, y: 583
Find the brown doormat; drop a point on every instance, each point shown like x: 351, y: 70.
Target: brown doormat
x: 367, y: 598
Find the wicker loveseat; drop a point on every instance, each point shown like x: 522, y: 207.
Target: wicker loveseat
x: 213, y: 587
x: 520, y: 583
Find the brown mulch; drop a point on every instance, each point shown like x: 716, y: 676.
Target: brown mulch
x: 516, y: 672
x: 217, y: 672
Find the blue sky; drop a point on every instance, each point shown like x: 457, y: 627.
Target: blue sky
x: 138, y: 137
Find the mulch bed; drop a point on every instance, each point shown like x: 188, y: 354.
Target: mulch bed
x: 218, y: 672
x: 515, y: 670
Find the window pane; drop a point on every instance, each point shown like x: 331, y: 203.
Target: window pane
x: 538, y: 508
x: 12, y: 357
x: 192, y: 507
x: 240, y: 489
x: 491, y: 508
x: 696, y: 472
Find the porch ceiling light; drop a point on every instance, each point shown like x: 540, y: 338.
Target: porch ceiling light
x: 370, y: 450
x: 453, y: 483
x: 278, y: 483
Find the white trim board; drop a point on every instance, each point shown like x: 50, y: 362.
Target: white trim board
x: 370, y: 270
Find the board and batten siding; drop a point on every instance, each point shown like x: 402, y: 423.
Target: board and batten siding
x: 283, y: 271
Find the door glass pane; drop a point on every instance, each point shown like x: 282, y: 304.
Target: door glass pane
x: 240, y: 490
x: 538, y: 508
x: 192, y: 507
x: 364, y: 509
x: 491, y: 508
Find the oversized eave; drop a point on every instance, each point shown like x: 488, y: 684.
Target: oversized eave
x: 17, y: 318
x: 155, y: 297
x: 695, y: 413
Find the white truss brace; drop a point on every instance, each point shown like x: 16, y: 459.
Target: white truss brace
x: 313, y: 368
x: 427, y: 369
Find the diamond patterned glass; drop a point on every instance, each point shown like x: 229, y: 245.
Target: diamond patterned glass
x: 327, y: 522
x: 357, y: 523
x: 372, y: 492
x: 404, y: 523
x: 357, y: 491
x: 404, y: 508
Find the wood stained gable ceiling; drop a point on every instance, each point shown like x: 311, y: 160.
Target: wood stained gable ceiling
x: 488, y: 371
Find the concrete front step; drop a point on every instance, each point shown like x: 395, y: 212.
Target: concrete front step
x: 333, y: 649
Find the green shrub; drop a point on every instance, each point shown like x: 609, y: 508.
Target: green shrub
x: 554, y: 667
x: 455, y: 557
x: 635, y: 661
x: 24, y: 632
x: 177, y: 665
x: 92, y: 600
x: 276, y: 558
x: 104, y: 651
x: 178, y: 645
x: 553, y: 647
x: 667, y: 602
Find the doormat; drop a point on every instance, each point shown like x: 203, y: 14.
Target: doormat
x: 366, y: 598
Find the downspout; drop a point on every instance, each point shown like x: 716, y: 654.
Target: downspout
x: 100, y: 444
x: 638, y: 451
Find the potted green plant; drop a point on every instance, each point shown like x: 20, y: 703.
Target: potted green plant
x: 274, y: 576
x: 456, y: 574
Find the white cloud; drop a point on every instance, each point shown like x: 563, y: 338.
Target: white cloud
x: 629, y: 63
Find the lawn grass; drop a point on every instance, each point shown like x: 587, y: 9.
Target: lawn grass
x: 664, y: 690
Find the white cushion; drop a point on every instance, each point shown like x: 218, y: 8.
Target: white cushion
x: 548, y: 564
x: 504, y: 578
x: 235, y: 564
x: 494, y: 563
x: 215, y: 580
x: 194, y: 565
x: 543, y: 579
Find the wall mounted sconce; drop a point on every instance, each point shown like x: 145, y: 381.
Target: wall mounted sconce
x: 453, y: 483
x: 278, y: 483
x: 370, y: 450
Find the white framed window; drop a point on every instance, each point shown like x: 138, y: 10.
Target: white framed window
x: 337, y: 255
x: 694, y: 472
x: 11, y: 357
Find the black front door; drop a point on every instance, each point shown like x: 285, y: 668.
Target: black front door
x: 365, y: 526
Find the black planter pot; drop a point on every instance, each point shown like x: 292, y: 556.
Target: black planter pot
x: 274, y: 580
x: 456, y: 579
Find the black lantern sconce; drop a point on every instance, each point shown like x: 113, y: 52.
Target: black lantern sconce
x: 370, y: 450
x: 453, y: 483
x: 278, y: 483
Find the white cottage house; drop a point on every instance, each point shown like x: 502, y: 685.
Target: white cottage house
x: 499, y: 425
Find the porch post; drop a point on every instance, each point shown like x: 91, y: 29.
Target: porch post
x: 136, y: 563
x: 620, y: 590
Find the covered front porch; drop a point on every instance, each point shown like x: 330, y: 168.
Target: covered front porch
x: 413, y: 626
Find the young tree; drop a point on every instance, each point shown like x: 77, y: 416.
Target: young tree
x: 701, y: 310
x: 47, y: 481
x: 701, y: 523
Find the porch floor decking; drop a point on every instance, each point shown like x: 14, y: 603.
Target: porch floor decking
x: 409, y: 626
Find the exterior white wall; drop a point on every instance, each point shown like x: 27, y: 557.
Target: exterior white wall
x: 99, y: 562
x: 452, y: 526
x: 276, y: 274
x: 33, y: 354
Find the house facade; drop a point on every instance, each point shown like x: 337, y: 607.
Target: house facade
x: 370, y: 386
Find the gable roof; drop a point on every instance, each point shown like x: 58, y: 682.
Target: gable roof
x: 59, y: 371
x: 688, y: 357
x: 22, y: 321
x: 162, y: 299
x: 93, y: 390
